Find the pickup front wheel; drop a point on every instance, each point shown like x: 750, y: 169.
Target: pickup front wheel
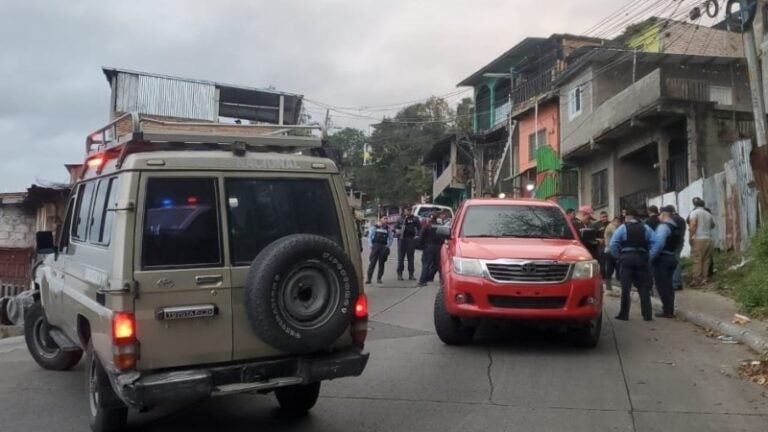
x: 449, y: 328
x: 588, y: 336
x: 42, y: 347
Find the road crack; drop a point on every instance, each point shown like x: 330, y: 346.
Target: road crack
x: 490, y: 376
x: 624, y: 375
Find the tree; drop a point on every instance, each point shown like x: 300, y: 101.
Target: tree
x: 348, y: 145
x: 464, y: 113
x: 398, y: 146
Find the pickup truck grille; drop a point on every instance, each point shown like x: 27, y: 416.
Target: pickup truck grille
x: 517, y: 302
x: 529, y: 272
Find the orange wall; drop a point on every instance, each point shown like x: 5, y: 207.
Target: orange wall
x: 549, y: 118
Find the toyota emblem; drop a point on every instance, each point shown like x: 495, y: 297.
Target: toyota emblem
x: 529, y: 268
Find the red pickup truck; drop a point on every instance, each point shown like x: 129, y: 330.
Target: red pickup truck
x: 516, y: 260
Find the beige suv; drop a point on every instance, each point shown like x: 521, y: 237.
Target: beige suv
x: 200, y: 260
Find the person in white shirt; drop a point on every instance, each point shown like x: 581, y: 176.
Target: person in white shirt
x: 701, y: 227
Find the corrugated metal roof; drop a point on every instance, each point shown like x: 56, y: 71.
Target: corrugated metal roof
x: 110, y: 72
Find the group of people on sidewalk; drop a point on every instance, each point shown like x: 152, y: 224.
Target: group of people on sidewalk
x: 411, y: 235
x: 646, y: 252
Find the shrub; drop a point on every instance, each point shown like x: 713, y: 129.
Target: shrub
x: 752, y: 292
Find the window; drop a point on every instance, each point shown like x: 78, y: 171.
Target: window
x: 721, y: 95
x: 101, y: 221
x: 426, y: 211
x: 600, y: 188
x: 80, y: 223
x: 65, y: 227
x: 261, y: 211
x: 575, y: 102
x: 181, y: 223
x: 515, y: 221
x: 536, y: 141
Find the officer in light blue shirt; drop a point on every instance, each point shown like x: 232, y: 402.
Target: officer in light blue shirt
x: 634, y: 244
x: 380, y: 238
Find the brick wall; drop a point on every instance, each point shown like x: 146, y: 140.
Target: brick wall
x: 16, y: 227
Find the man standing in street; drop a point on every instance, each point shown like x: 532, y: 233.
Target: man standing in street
x: 380, y: 238
x: 430, y: 257
x: 653, y: 220
x: 408, y: 230
x: 635, y: 244
x: 609, y: 260
x: 700, y: 227
x: 669, y: 236
x: 600, y: 226
x: 677, y: 278
x: 586, y: 230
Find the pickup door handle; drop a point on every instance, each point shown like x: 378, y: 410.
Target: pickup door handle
x: 208, y: 279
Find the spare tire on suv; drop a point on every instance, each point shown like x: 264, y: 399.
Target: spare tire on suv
x: 300, y: 293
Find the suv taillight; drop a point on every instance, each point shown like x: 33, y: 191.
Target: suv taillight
x: 360, y: 324
x: 125, y: 350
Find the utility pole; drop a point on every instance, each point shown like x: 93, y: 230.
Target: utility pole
x: 747, y: 11
x: 326, y: 124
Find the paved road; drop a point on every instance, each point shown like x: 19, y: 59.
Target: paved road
x: 660, y: 376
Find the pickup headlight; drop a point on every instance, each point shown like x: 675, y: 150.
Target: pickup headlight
x: 585, y: 269
x: 468, y: 267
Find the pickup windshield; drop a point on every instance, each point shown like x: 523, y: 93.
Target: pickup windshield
x: 521, y: 221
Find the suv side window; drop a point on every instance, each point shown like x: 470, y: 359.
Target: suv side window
x: 261, y: 211
x: 101, y: 221
x: 64, y: 230
x: 82, y: 210
x: 181, y: 223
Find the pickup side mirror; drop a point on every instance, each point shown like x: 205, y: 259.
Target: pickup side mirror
x: 443, y: 232
x: 44, y: 240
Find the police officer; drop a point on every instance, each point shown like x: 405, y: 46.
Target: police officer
x: 430, y: 258
x: 408, y: 231
x: 380, y: 238
x: 635, y: 244
x: 669, y: 236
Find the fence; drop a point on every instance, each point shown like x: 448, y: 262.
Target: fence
x: 730, y: 195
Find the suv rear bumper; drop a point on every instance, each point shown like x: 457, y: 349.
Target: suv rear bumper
x: 147, y: 389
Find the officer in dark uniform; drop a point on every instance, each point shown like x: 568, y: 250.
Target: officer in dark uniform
x: 635, y: 244
x: 408, y: 231
x: 670, y: 236
x: 430, y: 258
x: 653, y: 219
x: 380, y: 238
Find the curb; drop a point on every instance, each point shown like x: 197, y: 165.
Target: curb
x: 11, y: 344
x: 748, y: 337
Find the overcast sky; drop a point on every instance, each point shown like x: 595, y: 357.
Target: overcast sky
x: 346, y: 53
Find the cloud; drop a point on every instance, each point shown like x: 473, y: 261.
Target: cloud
x: 348, y: 53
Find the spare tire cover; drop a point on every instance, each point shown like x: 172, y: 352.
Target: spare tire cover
x: 300, y: 293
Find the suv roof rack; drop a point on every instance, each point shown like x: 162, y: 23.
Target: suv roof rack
x: 144, y: 134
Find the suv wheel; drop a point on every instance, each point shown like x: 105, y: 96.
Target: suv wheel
x: 300, y: 293
x: 107, y: 411
x: 42, y: 347
x: 588, y: 336
x: 298, y: 399
x: 449, y: 328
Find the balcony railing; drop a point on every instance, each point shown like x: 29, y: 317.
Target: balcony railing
x: 453, y: 176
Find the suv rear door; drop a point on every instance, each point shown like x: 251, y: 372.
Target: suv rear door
x: 262, y: 208
x: 184, y: 305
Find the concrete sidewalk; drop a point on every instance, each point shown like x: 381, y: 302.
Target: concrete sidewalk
x: 714, y: 312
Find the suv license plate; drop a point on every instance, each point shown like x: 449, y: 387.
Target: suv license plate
x: 186, y: 312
